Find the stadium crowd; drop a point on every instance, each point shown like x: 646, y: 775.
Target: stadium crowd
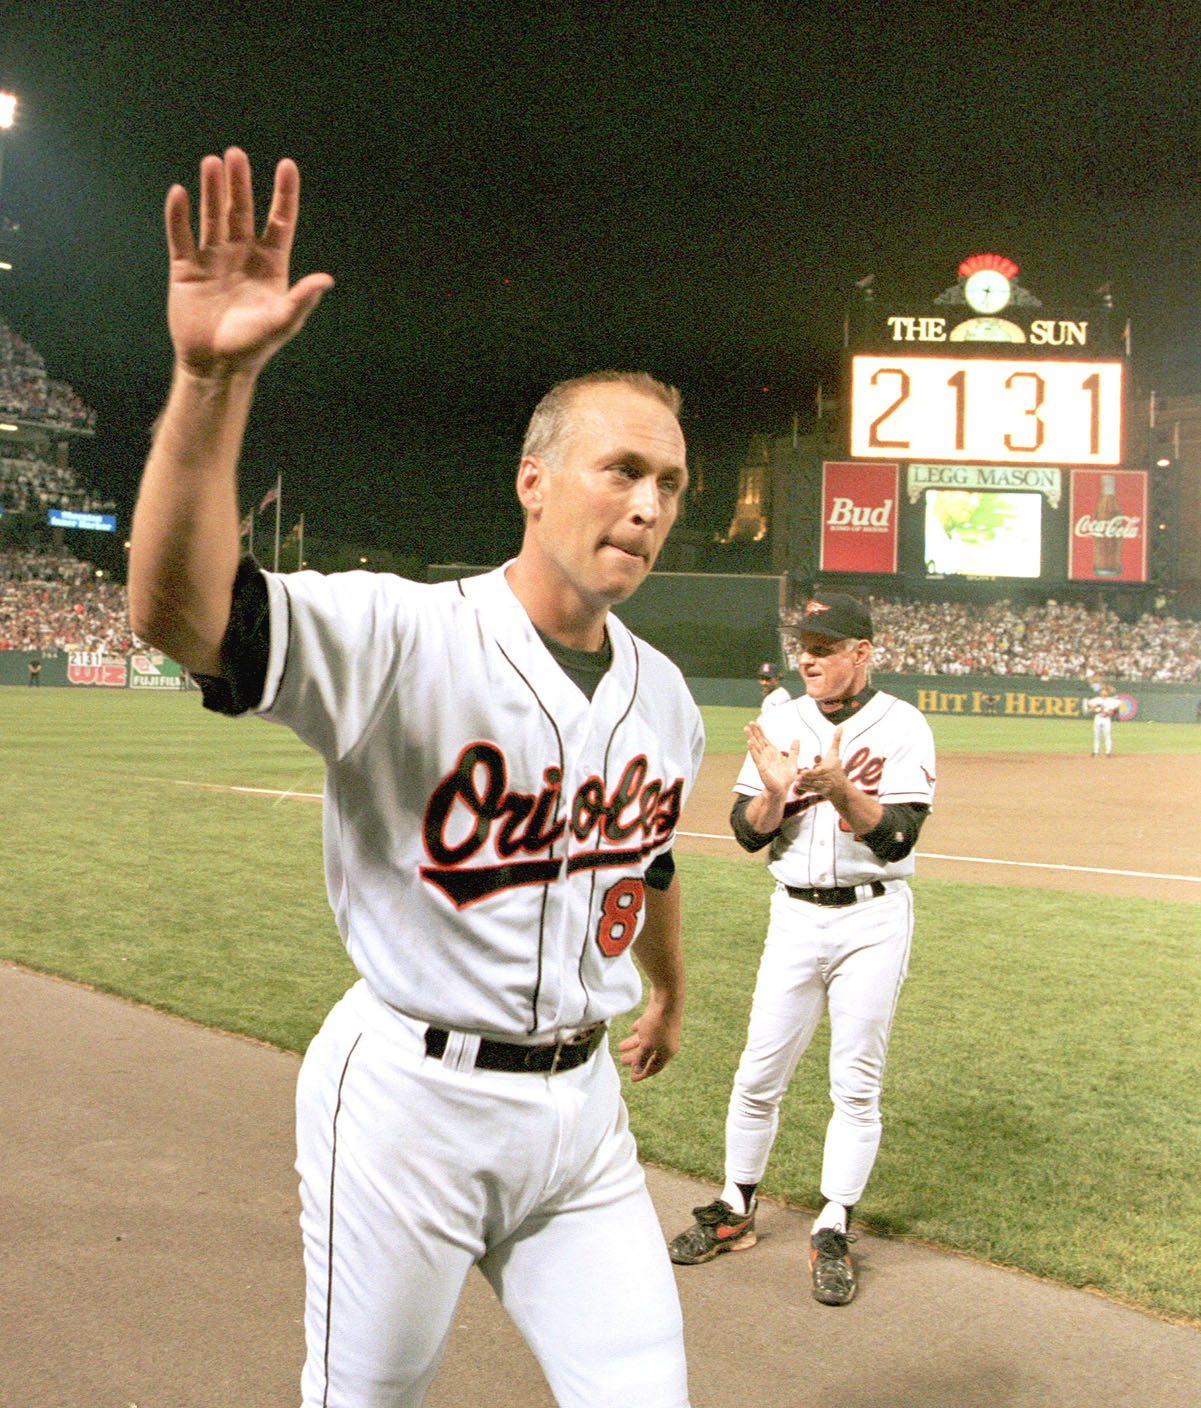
x: 52, y: 602
x: 27, y: 393
x: 30, y: 484
x: 1055, y: 640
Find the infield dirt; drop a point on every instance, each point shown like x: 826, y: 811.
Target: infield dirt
x: 1123, y: 825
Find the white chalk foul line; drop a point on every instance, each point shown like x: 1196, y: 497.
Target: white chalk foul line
x: 248, y: 791
x: 1022, y: 864
x: 1078, y: 869
x: 707, y: 836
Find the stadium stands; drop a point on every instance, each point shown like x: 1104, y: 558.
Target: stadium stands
x: 1055, y: 640
x: 27, y: 393
x: 51, y: 603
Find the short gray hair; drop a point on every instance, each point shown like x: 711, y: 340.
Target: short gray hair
x: 552, y: 421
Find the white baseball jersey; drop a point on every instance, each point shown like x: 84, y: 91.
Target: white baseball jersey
x: 1104, y: 706
x: 486, y: 827
x: 779, y: 695
x: 887, y: 751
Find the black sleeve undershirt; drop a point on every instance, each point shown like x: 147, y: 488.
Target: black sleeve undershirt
x: 245, y: 647
x: 892, y: 838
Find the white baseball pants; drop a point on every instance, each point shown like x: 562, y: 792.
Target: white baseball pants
x: 1102, y: 733
x: 852, y: 962
x: 411, y: 1172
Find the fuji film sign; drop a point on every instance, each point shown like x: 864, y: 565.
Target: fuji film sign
x: 859, y: 517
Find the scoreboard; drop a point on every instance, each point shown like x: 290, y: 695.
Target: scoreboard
x: 985, y: 409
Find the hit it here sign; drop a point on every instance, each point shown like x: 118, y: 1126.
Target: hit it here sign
x: 859, y: 517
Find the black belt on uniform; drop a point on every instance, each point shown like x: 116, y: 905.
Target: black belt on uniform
x: 838, y: 895
x: 508, y: 1056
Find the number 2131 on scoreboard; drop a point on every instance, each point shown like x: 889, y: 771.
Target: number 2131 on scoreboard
x: 999, y: 412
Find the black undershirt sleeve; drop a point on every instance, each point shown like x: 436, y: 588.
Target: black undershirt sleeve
x: 245, y: 647
x: 659, y: 872
x: 744, y: 833
x: 895, y: 834
x: 892, y: 838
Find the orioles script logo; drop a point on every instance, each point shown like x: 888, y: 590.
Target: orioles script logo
x: 861, y: 769
x: 475, y: 802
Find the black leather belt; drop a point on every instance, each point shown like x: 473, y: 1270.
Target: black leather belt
x: 839, y: 895
x: 508, y: 1056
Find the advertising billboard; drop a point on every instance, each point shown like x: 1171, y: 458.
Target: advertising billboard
x: 859, y: 517
x: 1108, y: 526
x: 92, y: 522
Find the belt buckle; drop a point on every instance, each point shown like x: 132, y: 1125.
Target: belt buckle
x: 581, y: 1038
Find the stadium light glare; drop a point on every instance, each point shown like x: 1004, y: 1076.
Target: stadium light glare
x: 4, y: 425
x: 8, y: 109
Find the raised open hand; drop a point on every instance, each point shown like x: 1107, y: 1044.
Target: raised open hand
x: 777, y: 770
x: 827, y: 777
x: 229, y: 307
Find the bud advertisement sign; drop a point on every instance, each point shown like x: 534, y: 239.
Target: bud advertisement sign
x: 1108, y: 525
x: 859, y: 517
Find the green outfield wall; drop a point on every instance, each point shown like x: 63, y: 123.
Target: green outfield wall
x: 1013, y: 696
x: 94, y: 669
x: 996, y: 696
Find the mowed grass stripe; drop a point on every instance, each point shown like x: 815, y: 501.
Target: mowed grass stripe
x: 1041, y: 1106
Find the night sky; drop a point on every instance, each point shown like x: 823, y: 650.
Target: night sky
x: 508, y: 194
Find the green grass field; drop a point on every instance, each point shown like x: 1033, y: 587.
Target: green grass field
x: 1041, y: 1103
x: 955, y: 733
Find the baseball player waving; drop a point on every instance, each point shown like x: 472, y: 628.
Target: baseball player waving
x: 494, y: 861
x: 836, y: 784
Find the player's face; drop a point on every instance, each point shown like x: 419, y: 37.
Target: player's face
x: 602, y: 508
x: 832, y: 669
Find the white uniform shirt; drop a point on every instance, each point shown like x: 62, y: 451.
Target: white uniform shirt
x: 486, y: 827
x: 779, y: 695
x: 887, y: 751
x: 1104, y: 706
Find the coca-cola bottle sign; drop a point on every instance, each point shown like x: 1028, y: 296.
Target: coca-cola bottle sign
x: 1107, y: 531
x: 1108, y: 511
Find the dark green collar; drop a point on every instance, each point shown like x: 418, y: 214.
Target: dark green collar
x: 585, y: 668
x: 847, y: 708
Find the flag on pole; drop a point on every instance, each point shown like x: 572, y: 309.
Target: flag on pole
x: 271, y: 496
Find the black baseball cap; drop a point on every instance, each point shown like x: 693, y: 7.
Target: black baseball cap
x: 836, y: 615
x: 767, y: 671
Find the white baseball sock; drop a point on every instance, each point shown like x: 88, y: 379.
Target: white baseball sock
x: 832, y: 1215
x: 732, y: 1194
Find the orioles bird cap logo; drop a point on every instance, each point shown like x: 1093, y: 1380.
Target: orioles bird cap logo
x: 811, y: 606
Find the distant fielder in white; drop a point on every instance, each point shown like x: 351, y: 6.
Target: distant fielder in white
x: 770, y: 688
x: 1104, y: 708
x: 494, y: 853
x: 838, y: 783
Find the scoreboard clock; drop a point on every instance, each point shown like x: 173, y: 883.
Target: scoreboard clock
x: 986, y: 410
